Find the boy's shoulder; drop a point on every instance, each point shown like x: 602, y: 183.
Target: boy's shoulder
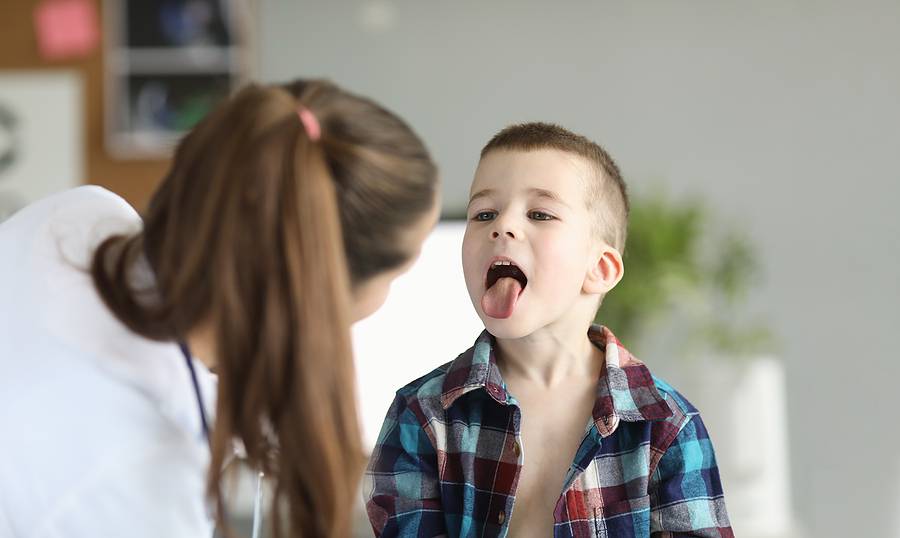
x: 471, y: 369
x: 420, y: 400
x: 676, y: 400
x: 429, y: 385
x: 683, y: 413
x: 634, y: 392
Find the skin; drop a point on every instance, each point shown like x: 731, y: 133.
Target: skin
x: 531, y: 207
x: 367, y: 296
x: 370, y: 295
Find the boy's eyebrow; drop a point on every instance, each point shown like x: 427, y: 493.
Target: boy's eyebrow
x: 480, y: 194
x: 544, y: 193
x: 540, y: 193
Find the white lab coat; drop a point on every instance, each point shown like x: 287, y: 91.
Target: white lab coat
x: 100, y: 432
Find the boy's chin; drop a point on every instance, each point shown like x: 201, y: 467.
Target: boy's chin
x: 506, y: 329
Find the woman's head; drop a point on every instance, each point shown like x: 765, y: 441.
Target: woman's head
x: 385, y: 184
x: 274, y: 240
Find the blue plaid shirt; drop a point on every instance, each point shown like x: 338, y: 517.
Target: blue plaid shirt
x: 447, y: 460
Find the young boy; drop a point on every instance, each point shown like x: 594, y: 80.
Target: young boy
x: 547, y: 426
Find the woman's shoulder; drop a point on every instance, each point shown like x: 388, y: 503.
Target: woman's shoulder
x: 85, y: 200
x: 68, y: 223
x: 54, y: 311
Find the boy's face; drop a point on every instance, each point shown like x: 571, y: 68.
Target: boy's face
x: 528, y: 208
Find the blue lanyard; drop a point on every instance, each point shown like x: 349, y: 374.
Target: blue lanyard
x: 257, y: 505
x: 190, y: 366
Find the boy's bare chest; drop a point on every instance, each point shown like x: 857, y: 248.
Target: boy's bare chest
x: 552, y: 428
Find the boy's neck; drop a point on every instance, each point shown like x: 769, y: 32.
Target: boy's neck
x: 551, y: 356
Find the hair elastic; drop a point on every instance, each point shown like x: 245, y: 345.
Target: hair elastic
x: 310, y: 123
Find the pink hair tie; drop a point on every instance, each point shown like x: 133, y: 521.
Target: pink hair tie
x: 310, y: 123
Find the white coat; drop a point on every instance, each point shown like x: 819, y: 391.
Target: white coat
x: 100, y: 431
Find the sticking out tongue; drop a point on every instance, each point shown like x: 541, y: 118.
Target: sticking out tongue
x: 499, y: 300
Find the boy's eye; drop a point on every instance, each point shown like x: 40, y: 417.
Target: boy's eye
x: 539, y: 215
x: 483, y: 216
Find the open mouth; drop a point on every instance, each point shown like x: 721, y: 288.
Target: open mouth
x: 504, y: 269
x: 503, y: 285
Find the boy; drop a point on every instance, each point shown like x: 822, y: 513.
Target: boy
x: 494, y: 443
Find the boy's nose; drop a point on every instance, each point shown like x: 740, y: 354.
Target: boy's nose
x: 505, y: 226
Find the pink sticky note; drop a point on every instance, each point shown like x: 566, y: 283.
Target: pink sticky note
x: 66, y: 28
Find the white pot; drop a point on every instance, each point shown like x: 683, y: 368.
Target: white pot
x: 743, y: 405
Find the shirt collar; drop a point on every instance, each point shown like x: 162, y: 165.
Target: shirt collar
x: 625, y: 391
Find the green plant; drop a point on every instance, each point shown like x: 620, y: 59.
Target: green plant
x: 683, y: 265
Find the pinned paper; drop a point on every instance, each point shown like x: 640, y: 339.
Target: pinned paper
x: 66, y: 29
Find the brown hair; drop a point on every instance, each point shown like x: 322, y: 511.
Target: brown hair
x: 258, y: 233
x: 607, y: 196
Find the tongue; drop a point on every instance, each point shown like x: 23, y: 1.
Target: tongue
x: 499, y: 300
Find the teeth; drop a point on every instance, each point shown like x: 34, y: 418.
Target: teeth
x: 502, y: 263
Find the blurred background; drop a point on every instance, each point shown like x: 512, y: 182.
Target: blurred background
x: 759, y: 141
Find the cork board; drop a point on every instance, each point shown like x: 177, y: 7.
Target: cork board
x: 134, y: 180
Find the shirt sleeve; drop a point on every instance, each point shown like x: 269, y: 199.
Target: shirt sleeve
x: 685, y: 491
x: 401, y: 483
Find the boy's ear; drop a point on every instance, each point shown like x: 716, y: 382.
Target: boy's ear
x: 603, y: 275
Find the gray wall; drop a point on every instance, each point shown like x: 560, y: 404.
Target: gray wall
x: 786, y: 115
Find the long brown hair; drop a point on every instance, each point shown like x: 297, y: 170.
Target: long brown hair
x: 259, y: 233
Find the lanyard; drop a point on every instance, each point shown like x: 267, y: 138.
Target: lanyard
x: 257, y: 504
x: 190, y: 366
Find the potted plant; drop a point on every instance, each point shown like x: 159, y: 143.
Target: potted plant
x: 680, y: 262
x: 687, y: 276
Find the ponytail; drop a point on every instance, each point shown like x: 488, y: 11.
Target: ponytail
x: 299, y: 377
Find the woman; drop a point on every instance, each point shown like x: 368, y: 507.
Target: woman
x: 285, y: 216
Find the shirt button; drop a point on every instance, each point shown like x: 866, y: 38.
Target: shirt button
x: 517, y: 449
x: 501, y: 517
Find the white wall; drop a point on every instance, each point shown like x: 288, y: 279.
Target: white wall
x: 426, y: 321
x: 786, y: 115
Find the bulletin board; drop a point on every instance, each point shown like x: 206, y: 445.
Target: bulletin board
x: 134, y: 177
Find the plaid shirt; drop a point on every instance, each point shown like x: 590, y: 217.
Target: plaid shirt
x: 447, y: 460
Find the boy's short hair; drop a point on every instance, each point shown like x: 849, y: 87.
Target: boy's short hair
x: 606, y: 196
